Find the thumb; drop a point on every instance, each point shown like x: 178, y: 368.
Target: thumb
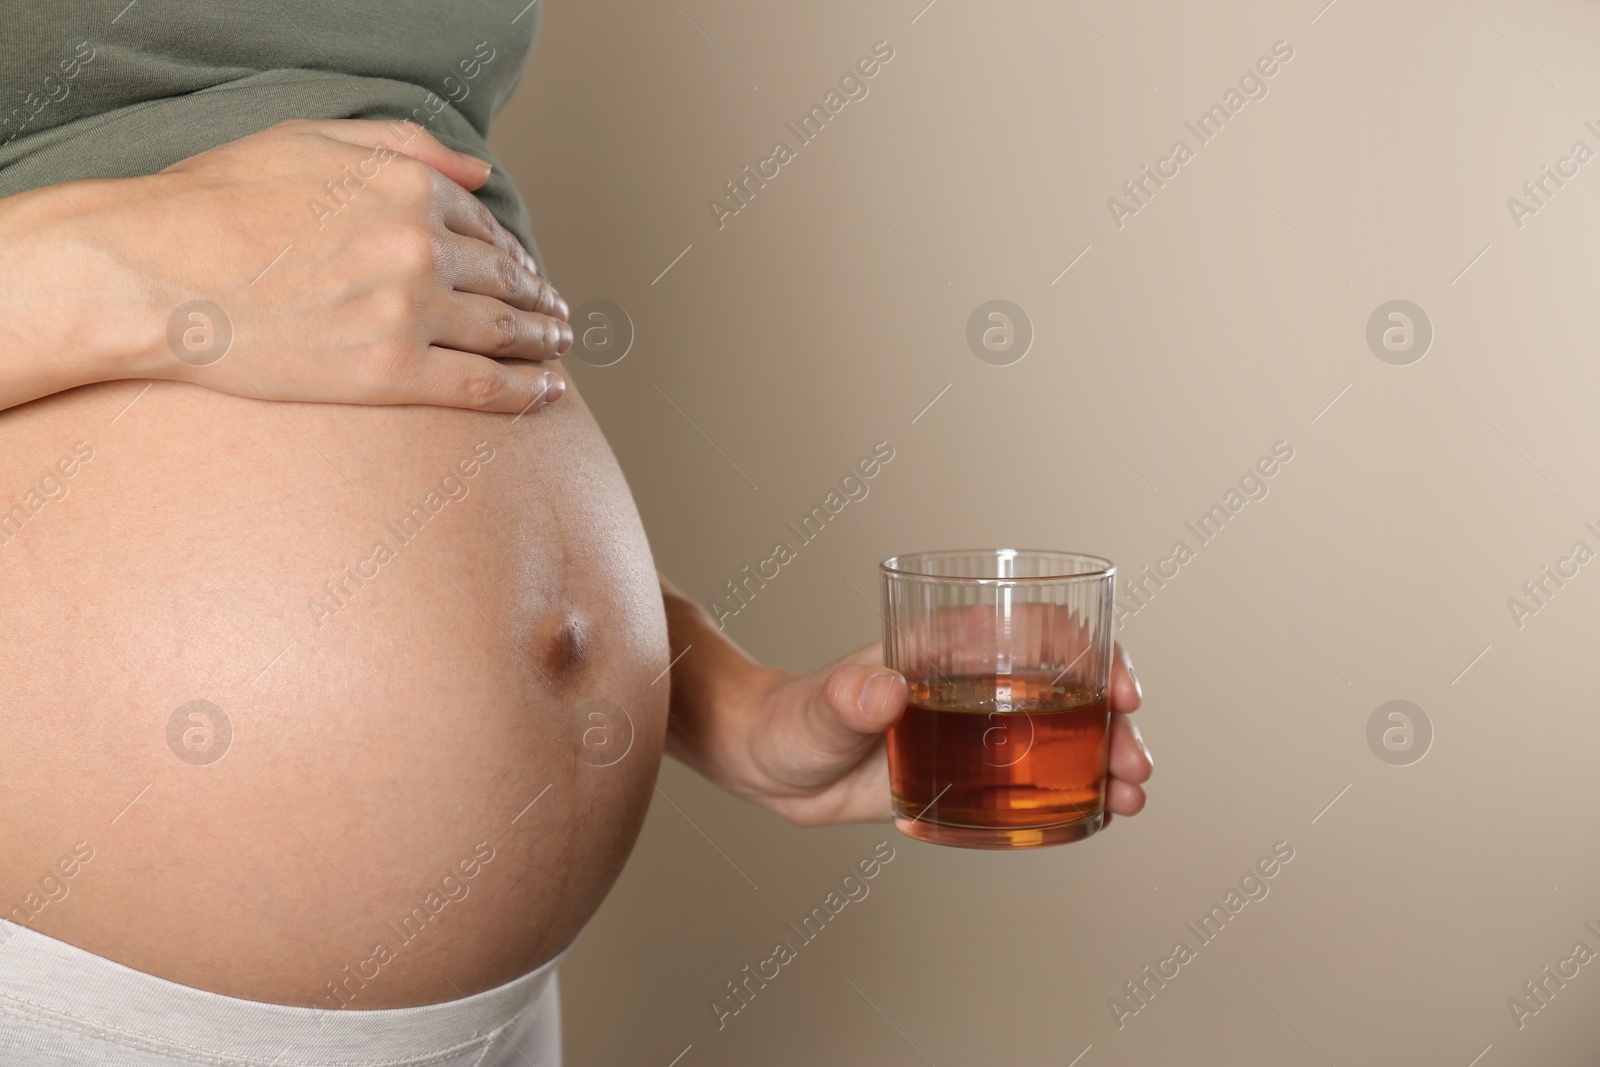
x: 855, y: 704
x: 412, y: 140
x: 816, y: 727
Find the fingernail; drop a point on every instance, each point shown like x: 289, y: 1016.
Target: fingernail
x: 554, y: 386
x: 566, y: 338
x: 484, y: 163
x: 562, y: 311
x: 1140, y: 739
x: 1138, y: 690
x: 876, y: 693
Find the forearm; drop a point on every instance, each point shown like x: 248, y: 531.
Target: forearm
x: 806, y: 746
x: 72, y: 312
x: 713, y: 686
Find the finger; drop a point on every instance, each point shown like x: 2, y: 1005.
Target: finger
x: 409, y: 139
x: 854, y: 705
x: 474, y: 266
x: 1123, y: 798
x: 861, y: 795
x: 448, y: 378
x: 1126, y: 693
x: 1130, y: 760
x: 490, y: 328
x: 465, y: 214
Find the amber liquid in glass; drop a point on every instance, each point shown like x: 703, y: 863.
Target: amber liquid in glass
x: 1000, y: 761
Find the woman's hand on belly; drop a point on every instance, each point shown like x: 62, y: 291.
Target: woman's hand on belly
x: 810, y: 747
x: 321, y: 261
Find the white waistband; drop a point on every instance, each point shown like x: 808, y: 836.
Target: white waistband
x: 61, y: 1004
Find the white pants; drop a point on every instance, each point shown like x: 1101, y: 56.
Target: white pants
x: 63, y: 1007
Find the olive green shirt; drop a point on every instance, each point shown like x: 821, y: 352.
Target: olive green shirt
x: 114, y: 89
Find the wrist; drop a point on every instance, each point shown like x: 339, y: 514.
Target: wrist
x: 123, y: 316
x: 76, y: 311
x: 711, y: 730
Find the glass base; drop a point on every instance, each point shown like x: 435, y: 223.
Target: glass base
x: 1016, y: 837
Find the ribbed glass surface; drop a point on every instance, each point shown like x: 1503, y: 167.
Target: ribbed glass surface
x: 1042, y: 615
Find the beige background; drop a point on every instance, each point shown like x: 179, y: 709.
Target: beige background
x: 1225, y: 316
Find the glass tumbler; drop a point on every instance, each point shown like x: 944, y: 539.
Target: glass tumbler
x: 1007, y: 655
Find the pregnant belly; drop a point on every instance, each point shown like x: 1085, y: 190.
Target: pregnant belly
x: 319, y: 705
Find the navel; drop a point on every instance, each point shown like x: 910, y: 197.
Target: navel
x: 561, y: 644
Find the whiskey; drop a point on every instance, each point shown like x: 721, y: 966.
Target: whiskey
x: 1000, y: 761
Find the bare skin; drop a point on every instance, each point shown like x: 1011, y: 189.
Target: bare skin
x: 426, y: 715
x: 810, y: 746
x: 412, y: 295
x: 374, y: 746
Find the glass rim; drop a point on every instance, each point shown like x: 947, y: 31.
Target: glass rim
x: 1104, y: 567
